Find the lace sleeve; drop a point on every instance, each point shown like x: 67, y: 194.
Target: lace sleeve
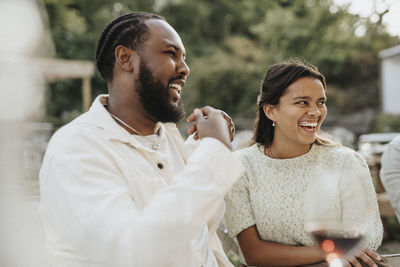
x: 239, y: 213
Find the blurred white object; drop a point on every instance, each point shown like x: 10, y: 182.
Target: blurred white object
x: 242, y: 139
x: 21, y: 89
x: 20, y: 35
x: 371, y: 146
x: 22, y: 27
x: 342, y: 135
x: 390, y: 173
x: 389, y: 72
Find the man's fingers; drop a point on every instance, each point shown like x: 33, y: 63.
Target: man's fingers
x: 195, y: 115
x: 210, y: 122
x: 207, y: 110
x: 191, y: 129
x: 204, y: 111
x: 198, y: 118
x: 191, y: 118
x: 198, y: 114
x: 227, y: 117
x: 231, y: 125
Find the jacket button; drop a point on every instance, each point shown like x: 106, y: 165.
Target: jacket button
x: 160, y: 166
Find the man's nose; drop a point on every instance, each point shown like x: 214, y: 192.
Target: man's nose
x: 183, y: 68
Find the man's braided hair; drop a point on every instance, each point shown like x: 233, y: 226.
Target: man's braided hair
x: 129, y: 30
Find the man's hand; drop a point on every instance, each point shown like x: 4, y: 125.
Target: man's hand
x: 210, y: 122
x: 231, y: 125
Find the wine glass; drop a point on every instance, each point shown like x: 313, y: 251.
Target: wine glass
x: 336, y: 213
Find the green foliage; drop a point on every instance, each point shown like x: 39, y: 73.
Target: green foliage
x: 234, y: 259
x: 310, y: 31
x: 386, y: 123
x: 230, y: 44
x: 228, y: 78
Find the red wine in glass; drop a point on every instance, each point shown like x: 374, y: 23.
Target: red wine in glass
x: 337, y: 242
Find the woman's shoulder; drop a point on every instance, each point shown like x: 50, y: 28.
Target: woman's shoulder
x: 338, y: 150
x: 247, y: 152
x: 250, y: 156
x: 340, y: 153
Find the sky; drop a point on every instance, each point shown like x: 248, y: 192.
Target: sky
x: 365, y: 8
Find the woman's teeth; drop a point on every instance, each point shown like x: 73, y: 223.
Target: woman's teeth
x: 308, y: 124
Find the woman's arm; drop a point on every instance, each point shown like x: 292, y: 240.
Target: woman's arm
x: 264, y: 253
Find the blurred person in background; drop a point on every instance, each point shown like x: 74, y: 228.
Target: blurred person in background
x: 119, y: 187
x: 265, y: 208
x: 390, y: 173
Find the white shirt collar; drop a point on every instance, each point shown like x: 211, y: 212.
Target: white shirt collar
x: 102, y: 119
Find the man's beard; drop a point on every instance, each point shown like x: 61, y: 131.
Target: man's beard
x: 155, y: 97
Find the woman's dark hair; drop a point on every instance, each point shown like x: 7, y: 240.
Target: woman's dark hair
x: 129, y: 30
x: 278, y: 78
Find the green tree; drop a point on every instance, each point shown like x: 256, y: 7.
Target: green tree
x: 75, y: 28
x: 229, y: 53
x: 230, y: 44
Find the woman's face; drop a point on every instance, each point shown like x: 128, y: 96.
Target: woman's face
x: 300, y: 113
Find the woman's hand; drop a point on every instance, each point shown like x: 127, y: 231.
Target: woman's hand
x: 367, y: 256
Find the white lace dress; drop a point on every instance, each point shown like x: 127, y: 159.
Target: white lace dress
x: 271, y: 194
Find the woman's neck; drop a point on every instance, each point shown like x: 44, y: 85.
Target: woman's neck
x: 285, y: 151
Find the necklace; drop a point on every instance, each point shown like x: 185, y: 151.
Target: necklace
x: 154, y: 145
x: 126, y: 125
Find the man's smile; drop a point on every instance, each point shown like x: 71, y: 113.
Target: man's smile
x: 176, y: 89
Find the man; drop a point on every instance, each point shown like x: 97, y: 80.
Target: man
x: 390, y: 173
x: 118, y: 187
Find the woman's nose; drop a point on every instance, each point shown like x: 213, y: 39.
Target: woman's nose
x: 314, y: 111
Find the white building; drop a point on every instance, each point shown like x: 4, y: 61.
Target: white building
x: 390, y: 79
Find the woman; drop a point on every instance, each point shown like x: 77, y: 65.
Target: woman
x: 265, y: 207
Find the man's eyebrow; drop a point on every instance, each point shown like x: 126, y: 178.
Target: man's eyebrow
x: 173, y: 46
x: 168, y: 45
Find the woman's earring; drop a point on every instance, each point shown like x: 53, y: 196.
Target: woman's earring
x: 273, y: 124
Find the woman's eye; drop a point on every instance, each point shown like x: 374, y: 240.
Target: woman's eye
x: 302, y: 102
x: 170, y: 52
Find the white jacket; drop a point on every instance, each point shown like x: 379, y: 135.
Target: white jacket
x: 108, y: 200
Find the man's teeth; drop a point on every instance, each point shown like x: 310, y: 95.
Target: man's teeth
x: 308, y: 124
x: 176, y: 86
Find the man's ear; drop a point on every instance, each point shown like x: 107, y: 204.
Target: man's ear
x: 269, y: 111
x: 125, y: 57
